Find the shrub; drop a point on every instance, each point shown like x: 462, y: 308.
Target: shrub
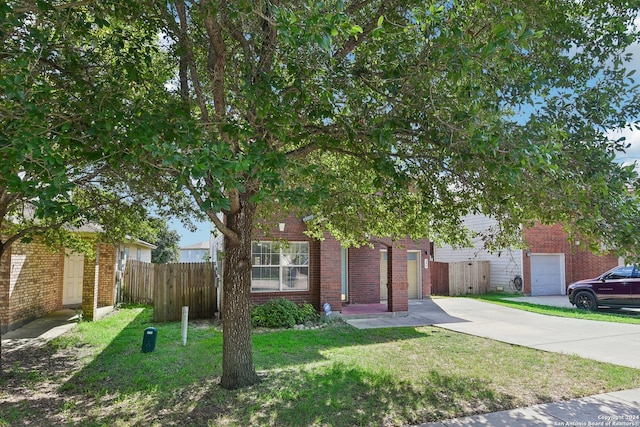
x: 306, y: 313
x: 282, y: 313
x: 275, y: 313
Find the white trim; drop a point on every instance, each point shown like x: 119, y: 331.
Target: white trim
x: 344, y: 273
x: 281, y: 282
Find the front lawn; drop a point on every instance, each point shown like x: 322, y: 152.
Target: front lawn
x: 339, y: 376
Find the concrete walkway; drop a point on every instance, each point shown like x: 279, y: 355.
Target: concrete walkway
x: 610, y: 342
x: 37, y: 332
x: 604, y: 341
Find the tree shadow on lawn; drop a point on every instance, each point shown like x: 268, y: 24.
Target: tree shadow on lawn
x: 30, y: 381
x: 345, y: 396
x: 176, y: 385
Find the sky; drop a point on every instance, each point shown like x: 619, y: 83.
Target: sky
x: 191, y: 237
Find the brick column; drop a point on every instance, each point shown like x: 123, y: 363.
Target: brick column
x: 107, y: 278
x: 330, y: 274
x: 5, y: 278
x: 397, y: 281
x: 90, y: 286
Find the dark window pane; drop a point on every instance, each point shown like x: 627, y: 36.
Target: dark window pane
x: 295, y: 278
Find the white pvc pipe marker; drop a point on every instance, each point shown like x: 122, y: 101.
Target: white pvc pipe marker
x: 185, y: 324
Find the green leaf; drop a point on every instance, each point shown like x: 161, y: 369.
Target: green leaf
x: 355, y: 30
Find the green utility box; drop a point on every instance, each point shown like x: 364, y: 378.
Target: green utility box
x: 149, y: 340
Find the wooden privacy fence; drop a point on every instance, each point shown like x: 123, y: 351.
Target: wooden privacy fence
x: 439, y: 278
x: 170, y: 287
x: 468, y: 277
x: 137, y: 284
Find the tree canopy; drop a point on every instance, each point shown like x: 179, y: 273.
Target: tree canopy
x: 356, y: 112
x: 64, y: 112
x: 395, y: 118
x: 166, y: 241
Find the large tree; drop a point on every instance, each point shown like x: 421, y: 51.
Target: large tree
x: 394, y: 118
x: 63, y: 114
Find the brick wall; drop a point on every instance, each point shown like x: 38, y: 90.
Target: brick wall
x: 325, y: 264
x: 107, y: 277
x: 90, y: 286
x: 579, y: 264
x: 364, y: 275
x: 34, y: 285
x: 397, y: 279
x: 331, y: 273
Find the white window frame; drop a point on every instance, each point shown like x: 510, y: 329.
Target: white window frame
x: 257, y: 262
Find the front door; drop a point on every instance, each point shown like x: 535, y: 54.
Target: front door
x: 73, y: 276
x: 413, y: 274
x: 384, y: 293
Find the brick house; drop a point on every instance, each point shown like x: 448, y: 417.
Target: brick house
x: 552, y: 262
x: 547, y: 266
x: 35, y: 281
x: 322, y: 271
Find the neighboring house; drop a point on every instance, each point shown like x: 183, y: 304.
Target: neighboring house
x: 35, y: 281
x: 547, y: 266
x: 322, y: 271
x: 198, y: 252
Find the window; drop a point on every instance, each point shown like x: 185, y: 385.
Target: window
x: 276, y: 267
x: 624, y: 273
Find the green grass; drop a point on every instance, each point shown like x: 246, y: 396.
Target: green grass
x: 337, y: 376
x: 603, y: 314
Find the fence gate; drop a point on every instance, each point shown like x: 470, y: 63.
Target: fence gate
x: 439, y: 278
x: 468, y: 277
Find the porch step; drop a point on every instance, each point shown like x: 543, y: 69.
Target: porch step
x: 369, y: 311
x: 377, y: 315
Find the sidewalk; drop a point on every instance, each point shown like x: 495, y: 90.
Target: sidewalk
x: 611, y: 409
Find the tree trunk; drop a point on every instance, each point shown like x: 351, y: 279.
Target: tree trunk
x: 237, y: 356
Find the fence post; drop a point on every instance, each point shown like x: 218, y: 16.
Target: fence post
x: 185, y: 324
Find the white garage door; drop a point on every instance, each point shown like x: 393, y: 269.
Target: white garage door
x: 547, y: 274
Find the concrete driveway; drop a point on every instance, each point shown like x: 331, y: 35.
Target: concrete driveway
x: 603, y: 341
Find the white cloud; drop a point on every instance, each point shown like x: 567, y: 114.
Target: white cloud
x: 632, y: 153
